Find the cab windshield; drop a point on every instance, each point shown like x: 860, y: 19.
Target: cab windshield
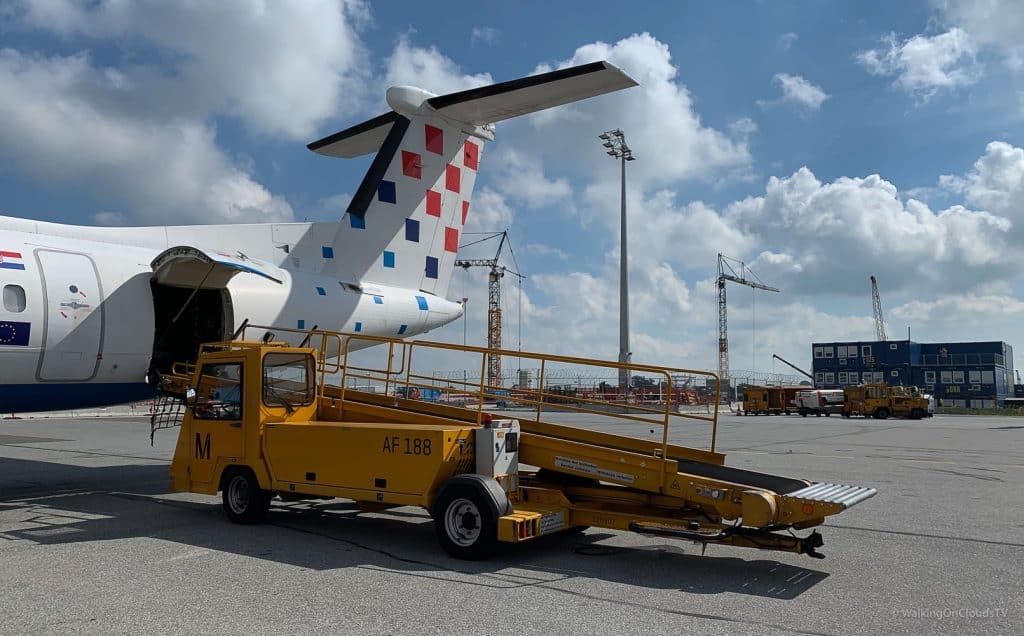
x: 288, y: 379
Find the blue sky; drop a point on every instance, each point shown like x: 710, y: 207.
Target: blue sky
x: 759, y: 129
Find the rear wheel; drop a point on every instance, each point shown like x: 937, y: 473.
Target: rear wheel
x: 244, y: 500
x: 465, y: 525
x: 803, y: 412
x: 882, y: 413
x: 916, y: 414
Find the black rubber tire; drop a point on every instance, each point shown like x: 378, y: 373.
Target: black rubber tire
x: 882, y: 413
x: 464, y: 513
x: 803, y: 412
x: 244, y: 501
x: 916, y: 414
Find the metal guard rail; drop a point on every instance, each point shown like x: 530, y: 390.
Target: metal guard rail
x: 338, y: 346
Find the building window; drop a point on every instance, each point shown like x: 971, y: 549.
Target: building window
x: 830, y: 378
x: 929, y: 377
x: 14, y: 298
x: 958, y: 377
x: 893, y: 347
x: 851, y: 351
x: 866, y: 351
x: 947, y: 377
x: 974, y: 377
x: 819, y: 378
x: 842, y: 352
x: 842, y: 377
x: 894, y: 373
x: 819, y: 352
x: 988, y: 377
x: 829, y: 352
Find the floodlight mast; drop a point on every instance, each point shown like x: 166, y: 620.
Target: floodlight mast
x: 615, y: 142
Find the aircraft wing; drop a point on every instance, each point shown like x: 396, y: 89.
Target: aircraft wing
x: 188, y: 266
x: 489, y: 104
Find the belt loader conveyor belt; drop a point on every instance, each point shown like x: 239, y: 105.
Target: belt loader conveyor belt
x: 684, y: 495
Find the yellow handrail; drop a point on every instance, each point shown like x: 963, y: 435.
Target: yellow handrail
x: 404, y: 375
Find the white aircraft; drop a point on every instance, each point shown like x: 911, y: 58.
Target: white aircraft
x: 89, y: 313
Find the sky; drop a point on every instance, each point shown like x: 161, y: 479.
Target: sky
x: 819, y: 142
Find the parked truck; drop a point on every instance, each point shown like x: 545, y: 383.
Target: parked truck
x: 819, y: 402
x: 881, y: 401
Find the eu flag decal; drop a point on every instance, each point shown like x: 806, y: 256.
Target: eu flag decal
x: 14, y: 334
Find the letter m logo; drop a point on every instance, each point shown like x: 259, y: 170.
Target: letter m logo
x: 202, y: 447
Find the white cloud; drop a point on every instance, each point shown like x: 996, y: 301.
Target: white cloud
x: 540, y: 249
x: 925, y: 64
x: 489, y: 212
x: 797, y: 90
x: 996, y: 183
x: 997, y: 23
x: 282, y: 68
x: 836, y: 233
x: 786, y: 40
x: 428, y: 69
x: 743, y: 127
x: 486, y: 35
x: 658, y: 117
x: 962, y: 309
x: 61, y: 129
x: 521, y: 178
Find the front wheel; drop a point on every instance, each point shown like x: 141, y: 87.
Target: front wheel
x: 882, y: 413
x: 244, y: 500
x: 465, y: 524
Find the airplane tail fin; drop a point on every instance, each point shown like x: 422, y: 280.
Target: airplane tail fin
x: 403, y: 223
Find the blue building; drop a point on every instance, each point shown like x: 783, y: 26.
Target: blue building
x: 964, y: 374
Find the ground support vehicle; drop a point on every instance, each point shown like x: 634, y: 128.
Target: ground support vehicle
x: 769, y: 400
x: 268, y: 419
x: 819, y: 402
x: 882, y: 401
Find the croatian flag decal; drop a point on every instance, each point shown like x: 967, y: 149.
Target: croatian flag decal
x: 11, y: 260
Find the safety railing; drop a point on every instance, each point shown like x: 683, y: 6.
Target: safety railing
x: 389, y: 366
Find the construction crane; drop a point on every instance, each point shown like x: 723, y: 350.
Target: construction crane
x: 730, y: 269
x: 876, y: 303
x: 791, y: 365
x: 493, y: 300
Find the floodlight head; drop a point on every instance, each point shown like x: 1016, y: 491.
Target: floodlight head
x: 612, y: 153
x: 608, y: 144
x: 603, y: 136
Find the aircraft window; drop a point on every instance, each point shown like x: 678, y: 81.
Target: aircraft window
x: 219, y: 394
x: 14, y: 298
x: 288, y: 379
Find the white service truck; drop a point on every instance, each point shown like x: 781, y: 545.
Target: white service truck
x: 819, y: 402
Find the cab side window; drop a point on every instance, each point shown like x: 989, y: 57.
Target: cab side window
x: 14, y: 298
x: 219, y: 394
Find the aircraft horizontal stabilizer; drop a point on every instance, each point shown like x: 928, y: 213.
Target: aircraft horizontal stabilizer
x: 497, y: 102
x: 479, y: 106
x: 358, y: 140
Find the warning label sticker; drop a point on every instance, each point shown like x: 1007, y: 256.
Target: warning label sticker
x: 552, y: 521
x: 581, y: 466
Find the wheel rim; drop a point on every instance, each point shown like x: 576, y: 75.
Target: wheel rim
x: 462, y: 522
x: 238, y: 494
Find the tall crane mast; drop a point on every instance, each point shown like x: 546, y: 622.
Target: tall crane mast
x: 493, y: 302
x: 876, y: 303
x: 730, y: 269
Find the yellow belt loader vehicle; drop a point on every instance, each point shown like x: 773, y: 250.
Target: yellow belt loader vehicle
x: 266, y: 419
x: 882, y: 401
